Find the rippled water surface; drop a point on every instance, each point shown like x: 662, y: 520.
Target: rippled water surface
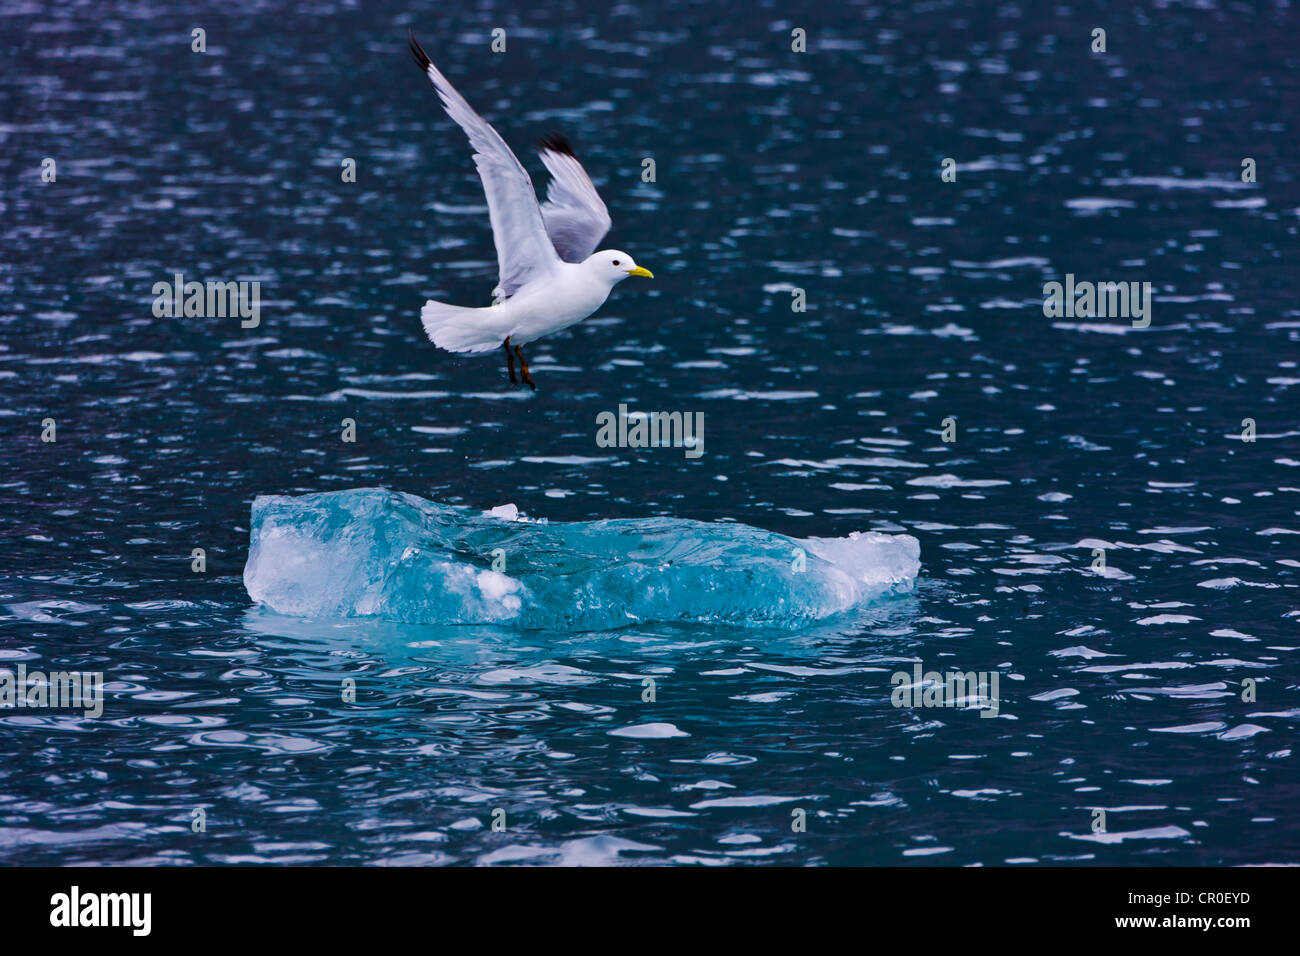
x: 1120, y: 690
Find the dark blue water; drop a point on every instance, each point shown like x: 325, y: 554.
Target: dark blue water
x: 1120, y: 692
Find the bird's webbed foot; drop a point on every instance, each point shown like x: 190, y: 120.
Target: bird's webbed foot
x: 523, y: 366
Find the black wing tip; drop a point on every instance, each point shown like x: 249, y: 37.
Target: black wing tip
x: 557, y: 143
x: 421, y: 58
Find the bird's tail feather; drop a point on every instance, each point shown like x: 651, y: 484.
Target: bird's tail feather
x: 457, y: 328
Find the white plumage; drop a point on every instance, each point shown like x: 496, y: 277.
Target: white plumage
x: 549, y: 275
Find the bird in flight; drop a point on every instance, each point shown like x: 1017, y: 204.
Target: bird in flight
x: 550, y: 275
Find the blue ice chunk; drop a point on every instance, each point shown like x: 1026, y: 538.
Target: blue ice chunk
x: 373, y: 552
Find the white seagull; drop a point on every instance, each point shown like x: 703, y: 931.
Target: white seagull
x: 549, y: 274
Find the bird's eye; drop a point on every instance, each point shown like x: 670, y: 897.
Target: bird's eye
x: 615, y: 262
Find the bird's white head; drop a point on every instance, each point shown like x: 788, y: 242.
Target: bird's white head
x: 613, y: 266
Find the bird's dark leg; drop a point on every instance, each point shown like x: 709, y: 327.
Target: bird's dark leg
x: 523, y: 364
x: 510, y: 362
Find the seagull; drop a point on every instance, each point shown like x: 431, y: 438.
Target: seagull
x: 549, y: 274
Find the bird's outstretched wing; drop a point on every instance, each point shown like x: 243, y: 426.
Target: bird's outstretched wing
x: 575, y: 216
x: 524, y: 250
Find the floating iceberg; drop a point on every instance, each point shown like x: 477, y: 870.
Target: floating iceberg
x: 372, y: 552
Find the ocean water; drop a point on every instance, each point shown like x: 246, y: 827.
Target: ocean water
x: 1161, y: 689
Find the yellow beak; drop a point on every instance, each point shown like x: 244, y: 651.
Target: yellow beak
x: 638, y: 271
